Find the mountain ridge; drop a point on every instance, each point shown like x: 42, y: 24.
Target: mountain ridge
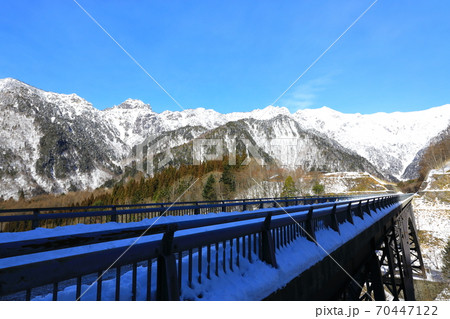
x: 64, y: 134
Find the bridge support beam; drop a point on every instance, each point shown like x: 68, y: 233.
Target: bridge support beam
x: 375, y: 277
x: 402, y: 225
x: 388, y: 260
x: 396, y: 251
x: 417, y: 264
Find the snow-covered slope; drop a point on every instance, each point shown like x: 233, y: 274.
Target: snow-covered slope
x: 52, y: 141
x: 132, y: 119
x: 388, y: 140
x: 278, y: 141
x: 135, y: 120
x: 432, y: 212
x: 433, y: 154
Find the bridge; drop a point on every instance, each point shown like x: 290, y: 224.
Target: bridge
x: 315, y: 248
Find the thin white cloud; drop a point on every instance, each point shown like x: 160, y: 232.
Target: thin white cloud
x: 305, y: 95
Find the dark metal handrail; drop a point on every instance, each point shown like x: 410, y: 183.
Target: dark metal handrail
x: 165, y: 204
x: 112, y: 214
x: 265, y: 231
x: 65, y: 241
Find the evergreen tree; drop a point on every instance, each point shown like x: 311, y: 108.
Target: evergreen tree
x: 209, y: 192
x: 446, y: 260
x: 318, y: 188
x: 21, y: 194
x: 289, y: 189
x: 228, y: 179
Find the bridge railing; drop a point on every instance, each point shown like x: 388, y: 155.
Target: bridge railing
x: 170, y: 257
x: 30, y: 218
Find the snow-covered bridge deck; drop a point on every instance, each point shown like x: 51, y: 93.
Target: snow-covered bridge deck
x: 221, y: 256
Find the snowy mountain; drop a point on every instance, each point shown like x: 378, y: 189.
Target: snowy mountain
x: 390, y: 141
x: 442, y: 141
x: 277, y: 141
x: 291, y: 146
x: 54, y: 142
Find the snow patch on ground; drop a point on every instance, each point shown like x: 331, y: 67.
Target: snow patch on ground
x: 349, y: 182
x: 432, y: 214
x: 444, y: 295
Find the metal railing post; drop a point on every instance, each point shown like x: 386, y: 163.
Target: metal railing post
x: 35, y: 222
x: 372, y: 205
x: 334, y: 222
x: 196, y: 209
x: 349, y: 213
x: 367, y: 208
x: 268, y: 248
x: 167, y: 275
x: 224, y: 208
x: 360, y: 211
x: 311, y: 234
x: 114, y: 214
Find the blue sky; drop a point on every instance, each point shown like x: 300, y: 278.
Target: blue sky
x: 233, y: 55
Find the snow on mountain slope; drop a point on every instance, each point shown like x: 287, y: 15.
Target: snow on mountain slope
x: 53, y: 142
x: 132, y: 119
x: 436, y: 150
x: 17, y: 155
x: 279, y: 141
x: 135, y: 123
x: 432, y: 213
x: 266, y: 113
x: 58, y: 136
x: 292, y: 147
x: 389, y: 140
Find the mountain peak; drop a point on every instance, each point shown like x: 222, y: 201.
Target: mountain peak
x: 321, y: 110
x: 277, y: 109
x: 11, y: 83
x: 269, y: 112
x: 131, y: 104
x: 327, y: 109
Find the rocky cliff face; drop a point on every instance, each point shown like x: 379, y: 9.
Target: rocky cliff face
x: 53, y: 142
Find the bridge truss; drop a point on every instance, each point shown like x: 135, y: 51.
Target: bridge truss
x: 391, y: 266
x: 382, y: 269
